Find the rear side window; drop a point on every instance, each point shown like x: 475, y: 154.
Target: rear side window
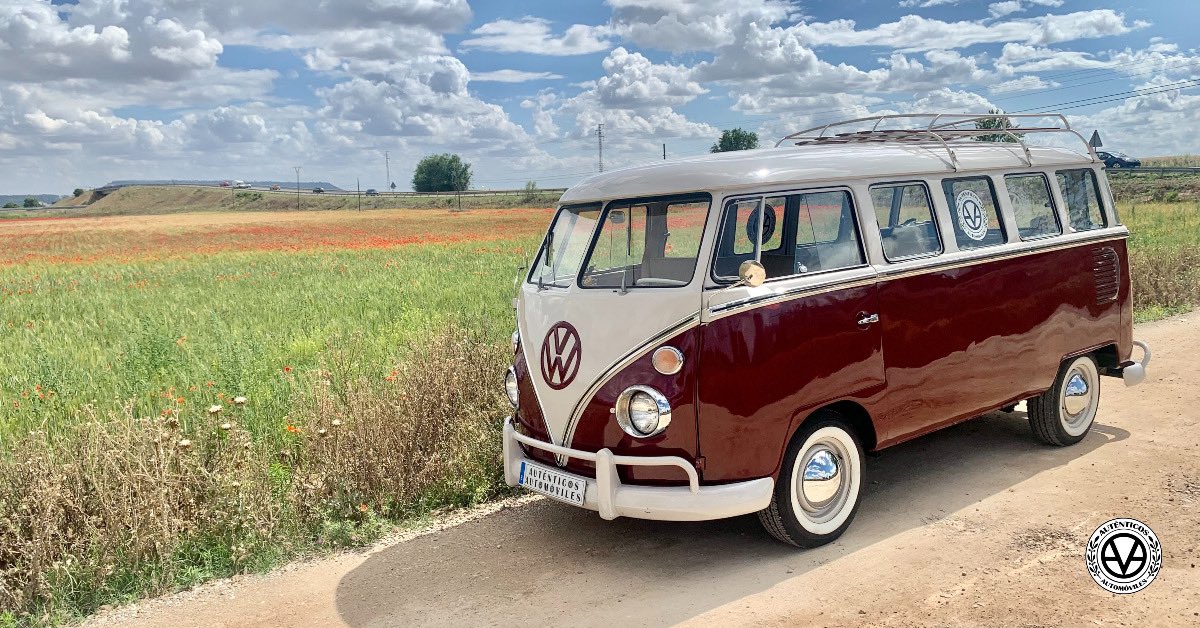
x: 1032, y: 205
x: 825, y: 234
x: 905, y: 218
x: 1082, y: 197
x: 973, y: 212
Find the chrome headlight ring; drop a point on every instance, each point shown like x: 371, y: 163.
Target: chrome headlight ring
x: 642, y: 396
x: 510, y: 387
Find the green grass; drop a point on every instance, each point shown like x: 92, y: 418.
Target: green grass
x: 205, y: 329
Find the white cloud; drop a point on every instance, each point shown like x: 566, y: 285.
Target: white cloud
x: 925, y: 4
x: 513, y: 76
x: 913, y: 32
x: 532, y: 35
x: 689, y: 25
x: 1026, y: 83
x: 632, y: 81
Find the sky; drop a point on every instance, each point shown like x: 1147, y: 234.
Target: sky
x: 99, y: 90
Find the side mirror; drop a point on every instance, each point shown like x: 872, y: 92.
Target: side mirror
x: 752, y: 273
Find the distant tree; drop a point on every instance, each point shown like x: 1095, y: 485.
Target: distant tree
x: 77, y: 192
x: 735, y: 139
x: 441, y: 173
x: 531, y: 191
x: 10, y: 205
x: 31, y: 202
x: 1002, y: 122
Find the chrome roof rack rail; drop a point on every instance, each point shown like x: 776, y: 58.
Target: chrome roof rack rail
x: 941, y: 129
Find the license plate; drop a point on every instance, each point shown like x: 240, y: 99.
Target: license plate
x: 551, y: 483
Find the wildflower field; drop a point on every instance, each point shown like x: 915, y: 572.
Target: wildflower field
x: 191, y: 395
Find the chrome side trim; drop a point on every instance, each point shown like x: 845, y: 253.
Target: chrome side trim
x: 630, y: 357
x: 886, y: 273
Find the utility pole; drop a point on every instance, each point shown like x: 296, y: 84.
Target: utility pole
x: 387, y: 164
x: 358, y: 186
x: 297, y: 187
x: 600, y: 144
x: 664, y: 152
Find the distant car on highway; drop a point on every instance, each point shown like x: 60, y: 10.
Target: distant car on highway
x: 275, y: 188
x: 241, y: 185
x: 318, y: 190
x: 372, y: 192
x: 224, y: 184
x: 1114, y: 159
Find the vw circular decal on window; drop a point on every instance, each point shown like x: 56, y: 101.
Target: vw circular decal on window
x: 971, y: 217
x: 768, y: 225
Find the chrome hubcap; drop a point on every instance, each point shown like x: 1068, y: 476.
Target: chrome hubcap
x: 825, y: 481
x: 1075, y: 396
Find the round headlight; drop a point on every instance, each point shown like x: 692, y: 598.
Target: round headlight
x: 642, y: 411
x: 510, y: 387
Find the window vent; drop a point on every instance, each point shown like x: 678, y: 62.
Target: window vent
x: 1107, y: 272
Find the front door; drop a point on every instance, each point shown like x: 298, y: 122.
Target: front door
x: 808, y: 336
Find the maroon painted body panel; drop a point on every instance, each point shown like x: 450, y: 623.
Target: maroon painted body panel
x: 762, y: 367
x: 956, y: 343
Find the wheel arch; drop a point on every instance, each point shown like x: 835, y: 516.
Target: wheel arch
x: 856, y: 416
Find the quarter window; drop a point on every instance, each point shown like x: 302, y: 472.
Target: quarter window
x: 1032, y: 205
x: 1081, y: 194
x: 905, y: 219
x: 973, y: 213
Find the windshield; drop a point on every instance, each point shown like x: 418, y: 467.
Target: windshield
x: 565, y: 245
x: 651, y: 243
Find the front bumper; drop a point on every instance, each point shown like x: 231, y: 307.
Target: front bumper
x: 1133, y: 372
x: 607, y: 495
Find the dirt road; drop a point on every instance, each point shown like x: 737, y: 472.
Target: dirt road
x: 976, y: 525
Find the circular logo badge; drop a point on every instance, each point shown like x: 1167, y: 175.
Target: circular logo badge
x: 1123, y: 556
x: 971, y: 217
x: 561, y: 353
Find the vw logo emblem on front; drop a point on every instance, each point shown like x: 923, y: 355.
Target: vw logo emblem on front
x: 561, y: 353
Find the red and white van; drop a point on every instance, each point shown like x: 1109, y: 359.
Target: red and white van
x: 711, y: 337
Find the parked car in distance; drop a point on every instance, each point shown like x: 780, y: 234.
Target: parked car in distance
x: 372, y: 192
x: 224, y: 184
x: 275, y: 188
x: 1114, y: 159
x: 318, y: 190
x: 241, y: 185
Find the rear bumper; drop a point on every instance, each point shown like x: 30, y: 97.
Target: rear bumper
x: 1133, y: 372
x: 607, y: 495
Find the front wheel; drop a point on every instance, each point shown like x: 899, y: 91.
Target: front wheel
x: 819, y: 485
x: 1063, y: 415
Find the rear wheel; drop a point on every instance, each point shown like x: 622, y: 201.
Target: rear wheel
x: 819, y: 485
x: 1063, y: 415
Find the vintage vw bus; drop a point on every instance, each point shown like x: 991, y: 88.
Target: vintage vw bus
x: 710, y: 337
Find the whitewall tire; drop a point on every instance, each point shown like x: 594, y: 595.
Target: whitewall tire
x: 1063, y: 415
x: 819, y: 485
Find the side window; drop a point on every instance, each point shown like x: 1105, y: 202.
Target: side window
x: 973, y: 212
x: 773, y: 208
x: 905, y: 219
x: 736, y: 239
x: 1081, y: 194
x: 826, y: 235
x: 1032, y: 205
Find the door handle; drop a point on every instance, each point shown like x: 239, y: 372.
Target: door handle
x: 865, y: 319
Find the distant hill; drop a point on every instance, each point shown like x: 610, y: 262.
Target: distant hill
x: 287, y: 185
x: 20, y: 198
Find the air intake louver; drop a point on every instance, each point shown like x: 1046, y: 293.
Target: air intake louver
x: 1107, y: 272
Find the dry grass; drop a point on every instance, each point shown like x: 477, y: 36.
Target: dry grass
x: 119, y: 506
x: 1164, y: 257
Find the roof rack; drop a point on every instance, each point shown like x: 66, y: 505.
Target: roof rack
x: 941, y: 129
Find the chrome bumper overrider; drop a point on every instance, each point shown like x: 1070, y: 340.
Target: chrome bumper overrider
x: 607, y: 495
x: 1134, y: 373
